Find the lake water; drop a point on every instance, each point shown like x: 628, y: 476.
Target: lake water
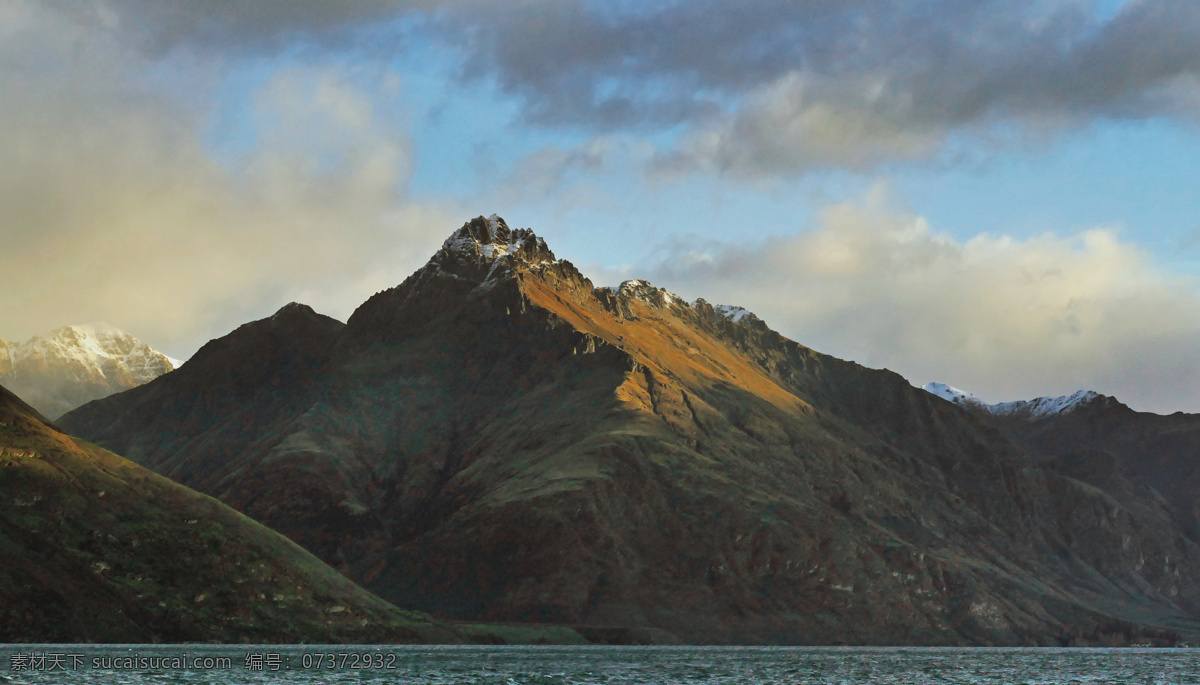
x: 146, y: 664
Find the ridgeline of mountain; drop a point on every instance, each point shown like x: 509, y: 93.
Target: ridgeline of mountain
x: 495, y: 438
x: 74, y: 365
x: 1034, y: 410
x: 1143, y: 459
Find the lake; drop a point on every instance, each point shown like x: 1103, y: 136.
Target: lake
x: 476, y: 665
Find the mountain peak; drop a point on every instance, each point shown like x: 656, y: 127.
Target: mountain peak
x: 735, y: 313
x: 72, y: 365
x: 85, y: 333
x: 490, y: 242
x: 638, y: 289
x: 953, y: 394
x: 98, y: 329
x: 293, y: 309
x: 1048, y: 406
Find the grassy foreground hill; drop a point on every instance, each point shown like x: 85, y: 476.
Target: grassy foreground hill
x: 94, y: 548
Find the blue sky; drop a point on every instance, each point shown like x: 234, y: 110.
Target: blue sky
x: 996, y: 195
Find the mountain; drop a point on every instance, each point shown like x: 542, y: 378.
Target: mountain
x: 74, y: 365
x: 1141, y: 458
x: 495, y: 438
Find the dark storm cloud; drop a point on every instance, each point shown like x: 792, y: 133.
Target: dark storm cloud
x: 241, y: 25
x: 936, y: 62
x: 767, y: 86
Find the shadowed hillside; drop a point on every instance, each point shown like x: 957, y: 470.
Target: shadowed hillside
x: 98, y: 549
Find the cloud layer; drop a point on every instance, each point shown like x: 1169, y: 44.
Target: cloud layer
x: 112, y: 208
x: 1006, y: 319
x: 773, y: 86
x: 763, y: 87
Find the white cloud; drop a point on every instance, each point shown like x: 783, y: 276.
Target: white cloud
x: 112, y: 208
x: 789, y: 125
x: 1005, y: 318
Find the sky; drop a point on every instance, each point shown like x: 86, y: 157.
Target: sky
x: 999, y: 195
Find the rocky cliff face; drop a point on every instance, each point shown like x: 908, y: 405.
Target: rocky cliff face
x: 1122, y: 451
x: 497, y: 438
x: 74, y: 365
x: 1146, y: 461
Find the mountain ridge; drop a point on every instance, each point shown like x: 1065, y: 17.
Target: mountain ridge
x: 1146, y: 460
x: 72, y: 365
x: 1037, y: 408
x: 497, y: 438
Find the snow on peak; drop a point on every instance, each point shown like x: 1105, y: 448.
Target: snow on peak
x: 1046, y: 406
x: 646, y: 292
x: 953, y: 394
x: 95, y: 340
x: 90, y: 351
x: 72, y: 365
x: 491, y: 238
x: 490, y: 243
x: 99, y: 330
x: 495, y: 223
x: 1035, y: 409
x: 732, y: 312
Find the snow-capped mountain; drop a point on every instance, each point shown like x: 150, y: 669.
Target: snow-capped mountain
x: 1041, y: 407
x: 73, y: 365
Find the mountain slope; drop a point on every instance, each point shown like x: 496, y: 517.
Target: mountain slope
x: 73, y: 365
x: 1106, y: 442
x: 1148, y: 461
x: 97, y: 549
x: 496, y: 438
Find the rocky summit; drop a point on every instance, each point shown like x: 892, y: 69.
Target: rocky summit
x: 73, y: 365
x: 497, y: 438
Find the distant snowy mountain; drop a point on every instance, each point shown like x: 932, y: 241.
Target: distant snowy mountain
x: 1041, y: 407
x: 74, y: 365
